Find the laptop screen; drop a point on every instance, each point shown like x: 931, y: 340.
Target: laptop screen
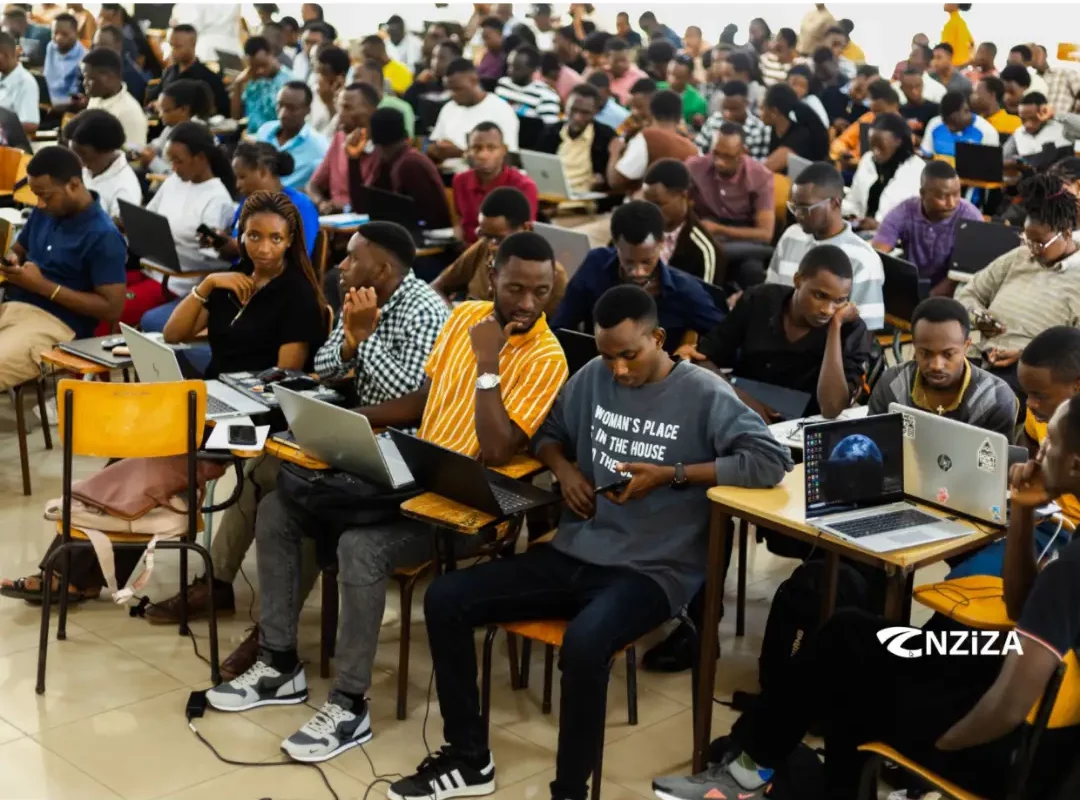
x: 853, y: 463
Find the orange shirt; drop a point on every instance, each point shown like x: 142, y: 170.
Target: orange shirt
x: 848, y: 140
x: 532, y: 369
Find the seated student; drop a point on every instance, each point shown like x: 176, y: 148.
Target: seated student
x: 491, y: 380
x: 528, y: 96
x: 679, y: 80
x: 630, y: 160
x: 65, y: 271
x: 687, y: 245
x: 180, y: 101
x: 1036, y: 133
x: 396, y: 167
x: 184, y: 64
x: 801, y: 79
x: 886, y: 176
x: 430, y: 82
x: 846, y: 104
x: 637, y: 230
x: 808, y: 337
x: 198, y: 192
x: 62, y: 58
x: 606, y: 572
x: 883, y: 99
x: 940, y: 378
x: 796, y: 129
x: 371, y: 72
x: 254, y: 92
x: 1022, y: 55
x: 988, y: 101
x: 1017, y: 81
x: 961, y: 718
x: 735, y: 109
x: 738, y: 67
x: 32, y: 39
x: 1029, y: 289
x: 373, y: 48
x: 924, y: 227
x: 559, y: 77
x: 581, y: 142
x: 489, y: 171
x: 332, y: 67
x: 655, y: 60
x: 102, y: 78
x: 621, y: 71
x: 816, y: 200
x: 97, y: 138
x: 504, y: 212
x: 918, y: 111
x: 329, y: 186
x: 110, y: 37
x: 291, y: 133
x: 19, y: 91
x: 383, y: 337
x: 944, y: 71
x: 469, y: 105
x: 955, y: 124
x: 641, y: 95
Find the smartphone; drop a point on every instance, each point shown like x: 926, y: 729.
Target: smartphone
x: 112, y: 342
x: 215, y: 238
x: 615, y: 486
x: 242, y: 434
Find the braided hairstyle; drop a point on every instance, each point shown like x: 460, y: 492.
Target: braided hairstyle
x: 296, y: 257
x: 1047, y: 201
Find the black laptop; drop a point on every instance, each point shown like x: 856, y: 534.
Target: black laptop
x: 385, y: 206
x: 864, y: 137
x: 465, y: 480
x: 903, y: 289
x: 92, y: 350
x: 980, y: 162
x: 788, y: 403
x: 579, y: 348
x: 979, y: 243
x: 149, y: 236
x: 428, y: 108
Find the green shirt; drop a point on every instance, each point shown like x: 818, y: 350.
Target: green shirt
x: 406, y: 110
x: 692, y: 102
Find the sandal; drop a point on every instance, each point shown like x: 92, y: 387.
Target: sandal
x: 30, y: 590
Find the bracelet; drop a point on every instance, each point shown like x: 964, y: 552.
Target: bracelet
x: 197, y: 296
x: 55, y: 292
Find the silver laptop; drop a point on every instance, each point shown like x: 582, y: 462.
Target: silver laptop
x: 855, y: 486
x: 155, y: 362
x: 547, y: 171
x: 570, y: 246
x: 343, y: 439
x: 795, y: 165
x: 955, y: 465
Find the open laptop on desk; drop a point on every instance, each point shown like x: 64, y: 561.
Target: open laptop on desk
x: 855, y: 486
x: 342, y: 438
x: 149, y: 236
x: 547, y: 171
x: 980, y: 162
x: 570, y: 246
x: 579, y: 348
x: 230, y: 63
x: 903, y: 288
x: 467, y: 481
x: 979, y: 243
x: 393, y: 207
x: 156, y: 362
x: 789, y: 403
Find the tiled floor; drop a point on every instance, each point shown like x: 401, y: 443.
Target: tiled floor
x: 111, y: 724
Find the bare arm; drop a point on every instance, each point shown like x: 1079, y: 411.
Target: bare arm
x: 187, y: 319
x: 105, y: 302
x: 499, y: 437
x: 404, y: 410
x: 832, y: 389
x: 882, y: 247
x: 762, y: 230
x: 1020, y: 569
x: 777, y: 160
x: 292, y: 355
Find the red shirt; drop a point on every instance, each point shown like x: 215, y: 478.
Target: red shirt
x: 469, y: 194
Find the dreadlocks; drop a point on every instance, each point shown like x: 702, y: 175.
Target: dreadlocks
x: 1048, y: 201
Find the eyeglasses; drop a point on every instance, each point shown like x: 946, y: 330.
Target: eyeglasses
x: 796, y: 208
x: 1039, y: 247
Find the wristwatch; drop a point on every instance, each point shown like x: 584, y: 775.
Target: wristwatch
x: 679, y: 481
x: 489, y: 380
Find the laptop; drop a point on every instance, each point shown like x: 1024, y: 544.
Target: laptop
x: 386, y: 206
x: 789, y: 403
x: 91, y: 350
x: 864, y: 137
x: 467, y: 481
x: 903, y: 288
x: 149, y: 236
x: 954, y: 465
x: 229, y: 62
x: 579, y: 348
x: 570, y: 246
x: 530, y: 129
x: 156, y: 362
x: 855, y: 486
x: 795, y: 165
x: 428, y: 108
x: 979, y: 243
x: 980, y: 162
x: 547, y: 171
x: 342, y: 438
x: 1042, y: 160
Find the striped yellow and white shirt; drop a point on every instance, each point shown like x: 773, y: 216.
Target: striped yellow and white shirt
x: 532, y: 368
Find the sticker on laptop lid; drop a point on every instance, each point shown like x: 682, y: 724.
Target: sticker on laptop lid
x: 986, y: 460
x: 995, y: 513
x: 942, y: 496
x: 909, y: 425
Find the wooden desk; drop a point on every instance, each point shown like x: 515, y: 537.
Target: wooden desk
x: 783, y: 509
x: 59, y: 360
x: 987, y: 185
x: 289, y: 452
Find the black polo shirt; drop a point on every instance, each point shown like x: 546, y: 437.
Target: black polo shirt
x: 751, y: 341
x: 247, y: 338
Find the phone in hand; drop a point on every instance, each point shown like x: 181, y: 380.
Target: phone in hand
x: 985, y: 318
x: 216, y: 239
x: 242, y: 434
x: 615, y: 486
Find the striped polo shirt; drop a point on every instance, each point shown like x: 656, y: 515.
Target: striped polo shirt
x: 532, y: 368
x: 535, y: 99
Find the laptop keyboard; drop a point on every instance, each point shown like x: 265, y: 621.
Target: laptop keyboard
x: 508, y: 501
x: 892, y: 521
x: 215, y: 406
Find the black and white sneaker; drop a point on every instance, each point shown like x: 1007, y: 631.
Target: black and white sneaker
x: 262, y: 685
x: 335, y: 728
x: 444, y: 775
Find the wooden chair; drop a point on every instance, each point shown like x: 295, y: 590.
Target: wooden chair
x: 122, y: 420
x: 321, y: 254
x: 20, y: 425
x: 1058, y: 708
x: 455, y: 217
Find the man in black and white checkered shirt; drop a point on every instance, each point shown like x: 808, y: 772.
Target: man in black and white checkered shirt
x: 736, y: 109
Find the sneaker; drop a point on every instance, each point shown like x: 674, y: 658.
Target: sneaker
x: 715, y: 783
x: 262, y: 685
x: 443, y: 775
x: 337, y: 727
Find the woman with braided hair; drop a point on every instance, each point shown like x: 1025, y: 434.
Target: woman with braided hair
x: 269, y: 310
x: 1031, y: 288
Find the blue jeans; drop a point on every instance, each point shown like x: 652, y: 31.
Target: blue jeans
x: 991, y: 559
x: 197, y: 356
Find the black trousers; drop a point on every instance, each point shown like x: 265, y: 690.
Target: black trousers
x: 86, y: 572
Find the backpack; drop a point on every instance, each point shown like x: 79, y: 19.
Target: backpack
x: 800, y: 777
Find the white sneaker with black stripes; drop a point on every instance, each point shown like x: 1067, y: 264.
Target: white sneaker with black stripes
x: 443, y: 775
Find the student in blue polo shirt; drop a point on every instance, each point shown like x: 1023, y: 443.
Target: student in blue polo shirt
x: 956, y: 124
x: 292, y: 134
x: 62, y: 58
x: 637, y: 229
x: 65, y: 271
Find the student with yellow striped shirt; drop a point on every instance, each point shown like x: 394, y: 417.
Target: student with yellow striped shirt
x: 492, y: 377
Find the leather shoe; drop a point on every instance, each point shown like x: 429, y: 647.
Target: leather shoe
x: 676, y: 653
x: 198, y: 600
x: 242, y: 658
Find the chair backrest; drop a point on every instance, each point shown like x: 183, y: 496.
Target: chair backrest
x: 24, y: 194
x: 10, y: 160
x: 1065, y: 712
x: 781, y: 192
x: 455, y: 217
x: 131, y: 420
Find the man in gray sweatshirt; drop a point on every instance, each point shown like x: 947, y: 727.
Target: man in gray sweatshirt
x: 624, y: 560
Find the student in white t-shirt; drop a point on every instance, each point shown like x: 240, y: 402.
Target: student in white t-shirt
x: 468, y: 106
x: 97, y: 138
x: 199, y: 192
x: 103, y: 78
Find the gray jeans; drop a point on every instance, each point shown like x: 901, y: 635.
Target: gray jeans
x: 366, y: 559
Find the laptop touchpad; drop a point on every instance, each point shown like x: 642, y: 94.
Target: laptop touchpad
x: 912, y: 537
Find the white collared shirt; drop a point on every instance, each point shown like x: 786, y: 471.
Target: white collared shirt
x: 117, y: 182
x: 126, y: 109
x: 19, y: 93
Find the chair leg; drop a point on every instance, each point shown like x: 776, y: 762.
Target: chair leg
x: 184, y: 629
x: 328, y: 636
x: 549, y: 668
x: 515, y: 668
x: 485, y: 680
x: 208, y: 518
x: 598, y: 769
x: 868, y: 780
x: 46, y: 598
x: 208, y: 563
x: 631, y: 685
x: 46, y: 433
x: 20, y: 426
x: 740, y: 602
x: 406, y: 587
x: 526, y: 660
x: 65, y: 573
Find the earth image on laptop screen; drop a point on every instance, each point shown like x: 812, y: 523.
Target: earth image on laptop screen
x: 855, y: 468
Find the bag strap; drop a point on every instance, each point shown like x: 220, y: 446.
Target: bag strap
x: 103, y: 548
